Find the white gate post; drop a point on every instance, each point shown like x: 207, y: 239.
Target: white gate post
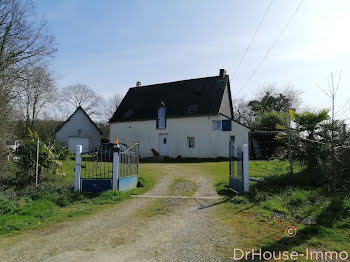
x: 116, y: 165
x: 245, y: 168
x: 78, y: 150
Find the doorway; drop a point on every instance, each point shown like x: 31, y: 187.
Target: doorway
x: 163, y: 145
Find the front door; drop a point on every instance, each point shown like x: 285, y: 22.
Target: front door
x: 163, y: 145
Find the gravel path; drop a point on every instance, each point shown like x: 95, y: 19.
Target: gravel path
x: 189, y: 232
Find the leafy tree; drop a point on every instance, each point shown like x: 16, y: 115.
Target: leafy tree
x: 270, y: 103
x: 309, y: 144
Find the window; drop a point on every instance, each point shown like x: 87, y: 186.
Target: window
x: 190, y: 142
x: 224, y: 125
x: 216, y: 125
x: 161, y: 120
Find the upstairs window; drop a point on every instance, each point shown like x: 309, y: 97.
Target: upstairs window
x: 223, y: 125
x: 216, y: 125
x: 161, y: 120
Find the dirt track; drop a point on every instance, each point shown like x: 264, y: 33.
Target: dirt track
x: 189, y: 232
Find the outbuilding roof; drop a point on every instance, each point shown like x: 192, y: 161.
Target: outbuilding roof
x: 193, y: 97
x: 79, y: 108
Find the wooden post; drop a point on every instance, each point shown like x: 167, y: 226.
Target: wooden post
x: 77, y: 183
x: 116, y: 166
x: 245, y: 167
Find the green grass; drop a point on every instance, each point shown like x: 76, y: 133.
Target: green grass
x: 56, y: 202
x: 182, y: 187
x: 260, y: 217
x: 163, y: 206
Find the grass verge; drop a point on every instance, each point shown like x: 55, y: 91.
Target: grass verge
x: 163, y: 206
x: 260, y: 217
x: 56, y: 201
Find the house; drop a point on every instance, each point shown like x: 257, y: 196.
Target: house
x: 189, y: 118
x: 79, y: 129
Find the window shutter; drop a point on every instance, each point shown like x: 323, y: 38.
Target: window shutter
x: 226, y: 125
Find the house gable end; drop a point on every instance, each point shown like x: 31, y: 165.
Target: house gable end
x: 225, y: 106
x: 78, y: 114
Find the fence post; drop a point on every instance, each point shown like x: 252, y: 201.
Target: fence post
x: 78, y: 151
x: 116, y: 166
x: 245, y: 168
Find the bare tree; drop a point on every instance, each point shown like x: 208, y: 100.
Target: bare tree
x: 242, y: 112
x: 38, y: 92
x: 111, y: 104
x: 82, y: 95
x: 23, y: 41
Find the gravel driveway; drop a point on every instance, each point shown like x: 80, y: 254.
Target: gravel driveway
x: 189, y: 232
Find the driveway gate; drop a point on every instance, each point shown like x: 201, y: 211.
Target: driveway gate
x: 106, y: 167
x: 239, y: 170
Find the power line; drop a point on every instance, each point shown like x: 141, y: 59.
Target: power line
x: 347, y: 103
x: 273, y: 45
x: 252, y: 40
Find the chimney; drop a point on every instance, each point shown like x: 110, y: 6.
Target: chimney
x: 222, y: 73
x: 138, y: 84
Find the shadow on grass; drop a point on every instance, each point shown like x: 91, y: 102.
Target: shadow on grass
x: 211, y: 205
x: 334, y: 212
x: 325, y: 219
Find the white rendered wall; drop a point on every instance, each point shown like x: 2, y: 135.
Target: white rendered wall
x: 209, y: 143
x: 79, y: 125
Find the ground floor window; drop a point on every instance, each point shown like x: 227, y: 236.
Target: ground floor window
x: 190, y: 142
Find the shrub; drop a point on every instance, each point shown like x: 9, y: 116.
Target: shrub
x: 7, y: 207
x: 49, y: 160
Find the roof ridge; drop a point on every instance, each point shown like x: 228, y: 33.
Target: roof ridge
x: 172, y: 82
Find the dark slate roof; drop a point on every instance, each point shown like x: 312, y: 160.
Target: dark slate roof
x: 79, y: 107
x: 201, y: 96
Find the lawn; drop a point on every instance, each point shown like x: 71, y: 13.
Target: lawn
x: 260, y: 217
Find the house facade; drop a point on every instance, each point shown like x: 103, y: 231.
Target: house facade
x: 189, y: 118
x: 78, y: 129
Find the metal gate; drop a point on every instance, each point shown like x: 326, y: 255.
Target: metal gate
x: 236, y: 168
x: 97, y: 169
x: 129, y: 167
x: 107, y: 167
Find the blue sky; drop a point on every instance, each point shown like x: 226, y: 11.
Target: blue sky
x: 110, y: 45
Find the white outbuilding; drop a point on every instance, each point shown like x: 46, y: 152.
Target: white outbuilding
x: 189, y: 118
x: 79, y: 129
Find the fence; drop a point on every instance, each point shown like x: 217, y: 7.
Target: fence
x: 239, y: 168
x: 106, y: 167
x: 129, y: 167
